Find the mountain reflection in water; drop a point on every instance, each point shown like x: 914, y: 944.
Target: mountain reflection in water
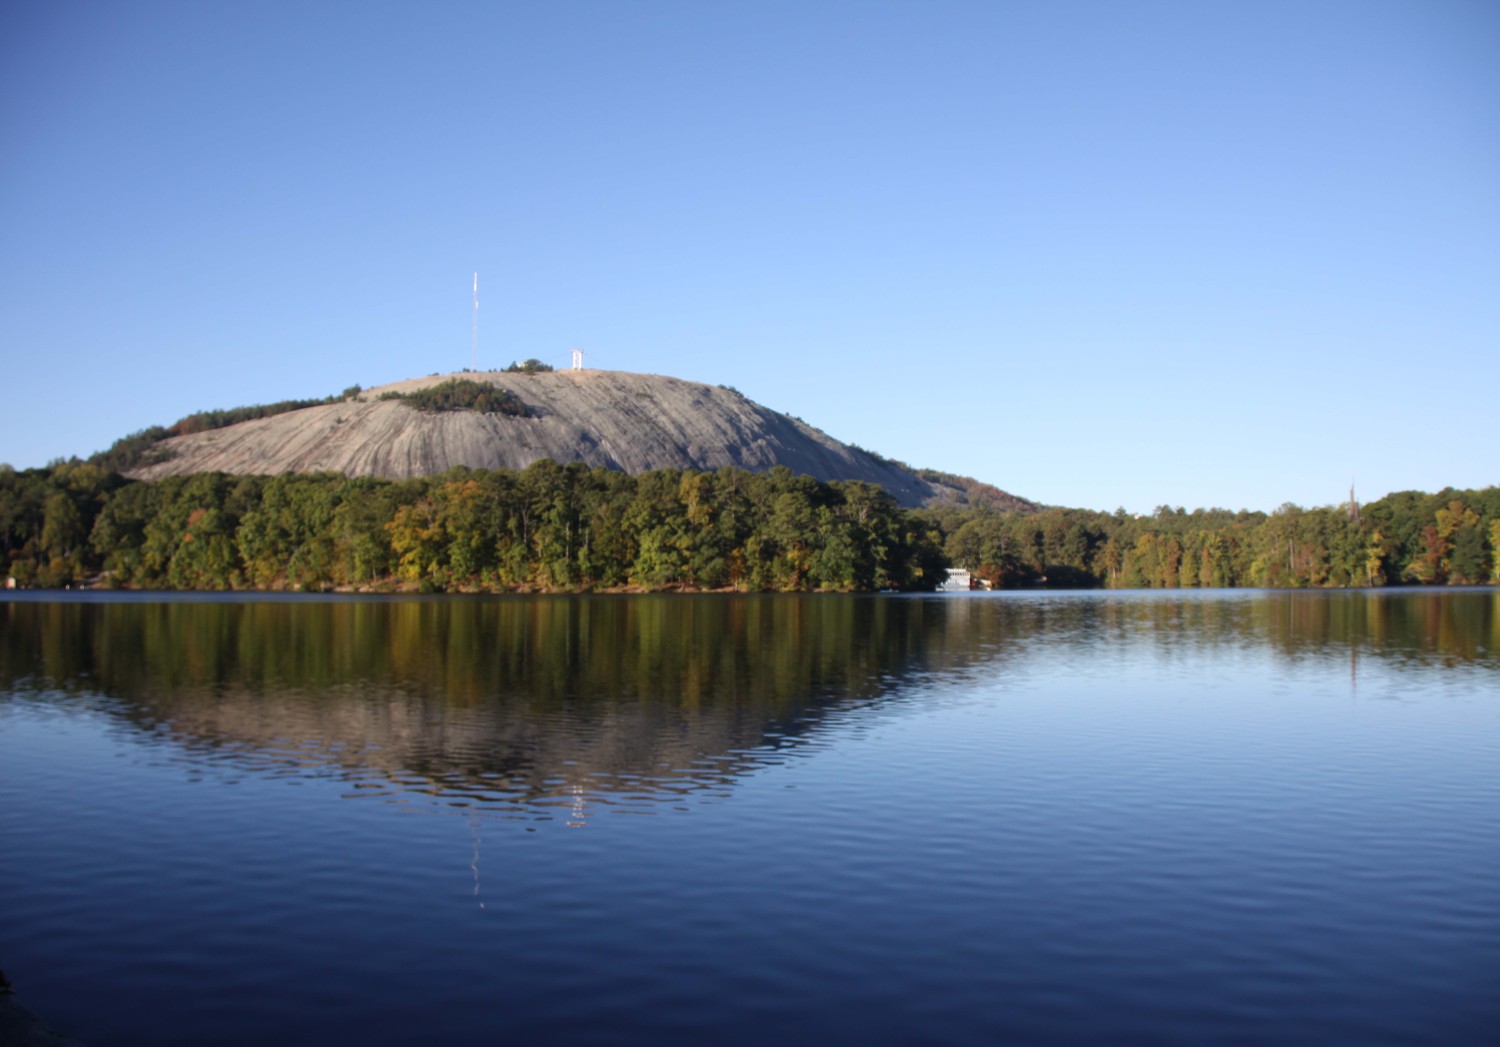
x: 521, y: 706
x: 969, y: 819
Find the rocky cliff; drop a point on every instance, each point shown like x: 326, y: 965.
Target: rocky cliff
x: 615, y: 419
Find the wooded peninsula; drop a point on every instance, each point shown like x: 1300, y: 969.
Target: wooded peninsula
x: 553, y: 528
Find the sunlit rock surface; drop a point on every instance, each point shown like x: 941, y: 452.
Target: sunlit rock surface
x: 615, y: 419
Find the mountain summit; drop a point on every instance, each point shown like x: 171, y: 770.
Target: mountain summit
x: 615, y: 419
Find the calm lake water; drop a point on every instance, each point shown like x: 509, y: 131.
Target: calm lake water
x: 968, y: 819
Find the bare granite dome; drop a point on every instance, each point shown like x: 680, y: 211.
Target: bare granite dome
x: 615, y: 419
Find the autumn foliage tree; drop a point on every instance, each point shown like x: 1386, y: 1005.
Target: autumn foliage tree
x: 567, y: 527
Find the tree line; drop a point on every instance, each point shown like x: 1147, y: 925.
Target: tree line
x: 548, y: 527
x: 1407, y: 538
x: 554, y: 527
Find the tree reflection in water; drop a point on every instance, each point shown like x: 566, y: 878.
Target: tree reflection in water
x: 549, y: 706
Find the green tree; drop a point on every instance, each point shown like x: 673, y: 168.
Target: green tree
x: 416, y: 535
x: 62, y: 541
x: 1459, y: 528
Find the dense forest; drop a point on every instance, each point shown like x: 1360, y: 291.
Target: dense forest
x: 548, y: 527
x: 554, y: 527
x: 1407, y: 538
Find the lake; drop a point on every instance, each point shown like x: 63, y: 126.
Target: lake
x: 958, y: 819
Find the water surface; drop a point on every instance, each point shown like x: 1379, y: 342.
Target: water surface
x: 1076, y: 817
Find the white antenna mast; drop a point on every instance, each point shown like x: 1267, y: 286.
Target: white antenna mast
x: 474, y: 336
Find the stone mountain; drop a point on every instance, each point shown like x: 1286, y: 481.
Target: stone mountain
x: 615, y: 419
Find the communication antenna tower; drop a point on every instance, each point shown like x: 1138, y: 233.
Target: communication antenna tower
x: 577, y: 359
x: 474, y: 334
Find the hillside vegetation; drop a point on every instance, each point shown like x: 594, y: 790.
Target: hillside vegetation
x: 460, y: 394
x: 571, y: 527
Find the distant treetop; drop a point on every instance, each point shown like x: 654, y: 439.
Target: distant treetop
x: 531, y: 366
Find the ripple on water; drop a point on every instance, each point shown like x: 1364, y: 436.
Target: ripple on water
x: 1162, y: 828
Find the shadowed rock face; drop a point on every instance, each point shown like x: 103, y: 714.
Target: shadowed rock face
x: 615, y: 419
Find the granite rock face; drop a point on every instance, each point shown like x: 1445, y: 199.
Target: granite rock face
x: 615, y: 419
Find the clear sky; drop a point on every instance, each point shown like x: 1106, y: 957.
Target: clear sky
x: 1099, y: 254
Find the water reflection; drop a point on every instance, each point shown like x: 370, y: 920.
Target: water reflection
x: 510, y: 705
x: 529, y: 707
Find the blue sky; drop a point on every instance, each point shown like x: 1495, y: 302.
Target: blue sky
x: 1098, y: 254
